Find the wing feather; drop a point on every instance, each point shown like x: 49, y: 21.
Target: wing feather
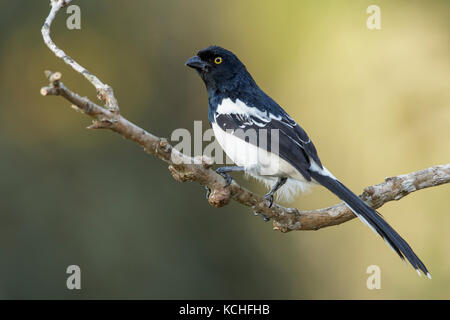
x: 294, y: 145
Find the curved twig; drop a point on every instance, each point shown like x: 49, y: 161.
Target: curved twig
x: 104, y: 92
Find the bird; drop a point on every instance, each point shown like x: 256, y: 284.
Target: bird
x: 264, y: 142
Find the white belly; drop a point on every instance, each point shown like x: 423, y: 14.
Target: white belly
x: 261, y: 164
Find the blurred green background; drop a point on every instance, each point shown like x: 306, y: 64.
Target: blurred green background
x: 376, y: 103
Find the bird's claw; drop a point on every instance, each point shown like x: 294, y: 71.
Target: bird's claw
x: 208, y: 192
x: 266, y: 219
x: 226, y: 176
x: 269, y: 197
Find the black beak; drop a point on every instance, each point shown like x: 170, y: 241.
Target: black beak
x: 196, y: 63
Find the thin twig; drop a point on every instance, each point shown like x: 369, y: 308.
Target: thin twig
x: 104, y: 91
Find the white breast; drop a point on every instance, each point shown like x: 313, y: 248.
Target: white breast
x: 261, y: 164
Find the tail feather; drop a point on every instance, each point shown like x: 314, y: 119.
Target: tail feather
x: 370, y: 217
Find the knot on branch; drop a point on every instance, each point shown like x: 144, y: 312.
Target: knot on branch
x: 277, y: 226
x: 164, y: 145
x: 369, y: 195
x: 162, y: 148
x: 102, y: 124
x: 181, y: 174
x: 53, y: 77
x: 106, y: 94
x: 53, y: 87
x: 220, y: 197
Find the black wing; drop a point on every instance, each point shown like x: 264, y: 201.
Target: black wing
x: 294, y: 144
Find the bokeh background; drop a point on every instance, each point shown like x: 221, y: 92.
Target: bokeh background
x: 376, y: 103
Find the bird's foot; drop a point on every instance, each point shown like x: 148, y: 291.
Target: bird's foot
x: 269, y: 197
x: 266, y: 219
x: 225, y: 175
x: 208, y: 192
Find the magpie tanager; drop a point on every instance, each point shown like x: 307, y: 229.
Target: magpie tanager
x: 267, y: 144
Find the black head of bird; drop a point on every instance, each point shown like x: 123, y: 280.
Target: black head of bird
x: 220, y: 69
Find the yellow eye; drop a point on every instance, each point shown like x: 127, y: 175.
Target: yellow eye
x: 218, y: 60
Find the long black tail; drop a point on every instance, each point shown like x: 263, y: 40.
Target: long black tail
x: 370, y: 217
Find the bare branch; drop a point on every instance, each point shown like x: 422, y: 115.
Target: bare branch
x: 184, y: 168
x: 104, y: 92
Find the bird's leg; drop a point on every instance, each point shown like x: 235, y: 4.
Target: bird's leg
x: 223, y: 171
x: 276, y: 186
